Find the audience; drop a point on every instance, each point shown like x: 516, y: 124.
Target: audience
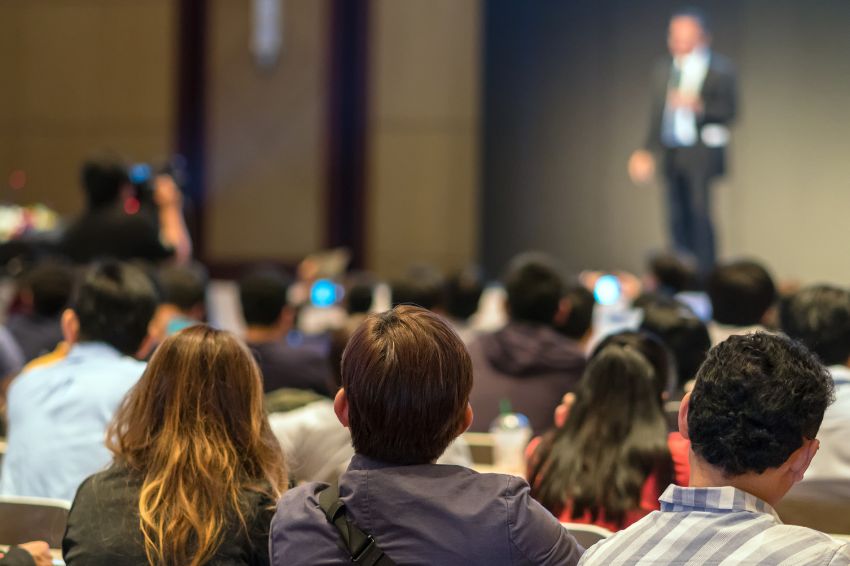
x: 35, y: 553
x: 58, y: 413
x: 577, y: 323
x: 819, y: 317
x: 112, y: 225
x: 269, y: 320
x: 196, y: 470
x: 44, y: 293
x: 609, y: 461
x: 406, y: 379
x: 752, y: 419
x: 527, y: 362
x: 462, y: 294
x: 183, y: 290
x: 742, y: 295
x: 670, y: 274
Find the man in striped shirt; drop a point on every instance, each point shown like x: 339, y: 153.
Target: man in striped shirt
x: 752, y: 420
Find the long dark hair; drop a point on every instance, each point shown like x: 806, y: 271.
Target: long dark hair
x: 615, y: 437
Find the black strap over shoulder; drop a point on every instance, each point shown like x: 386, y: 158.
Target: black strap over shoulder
x: 361, y: 546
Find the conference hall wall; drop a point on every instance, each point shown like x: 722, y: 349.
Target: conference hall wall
x: 566, y: 99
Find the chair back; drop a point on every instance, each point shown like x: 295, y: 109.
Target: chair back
x: 24, y: 519
x: 825, y: 515
x: 587, y: 535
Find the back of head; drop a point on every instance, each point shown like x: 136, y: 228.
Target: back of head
x: 114, y: 304
x: 195, y: 430
x: 183, y: 286
x: 580, y: 316
x: 423, y: 286
x: 102, y: 178
x: 463, y: 292
x: 535, y: 287
x: 756, y: 398
x: 684, y: 334
x: 741, y: 293
x: 672, y: 274
x: 407, y: 378
x: 50, y: 283
x: 358, y: 298
x: 614, y: 438
x: 819, y: 317
x: 651, y: 348
x: 263, y: 294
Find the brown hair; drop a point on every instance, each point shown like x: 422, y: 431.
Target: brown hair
x: 195, y: 428
x: 407, y: 378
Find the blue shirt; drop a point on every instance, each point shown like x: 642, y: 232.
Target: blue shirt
x: 58, y: 416
x: 424, y: 514
x: 716, y: 526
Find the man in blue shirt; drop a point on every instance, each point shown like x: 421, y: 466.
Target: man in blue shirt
x: 58, y: 413
x: 752, y: 420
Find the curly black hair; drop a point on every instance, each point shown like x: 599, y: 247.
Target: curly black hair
x: 756, y: 398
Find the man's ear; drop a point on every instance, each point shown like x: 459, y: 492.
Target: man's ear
x: 341, y: 407
x: 468, y: 416
x: 70, y: 327
x: 562, y: 315
x: 683, y: 416
x: 801, y: 458
x: 287, y: 318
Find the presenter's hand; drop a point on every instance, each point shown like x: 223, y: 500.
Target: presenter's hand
x: 641, y: 167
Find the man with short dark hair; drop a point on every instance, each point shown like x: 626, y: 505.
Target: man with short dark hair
x: 819, y: 317
x: 269, y: 320
x: 579, y: 304
x: 58, y: 413
x: 406, y: 379
x: 184, y: 292
x: 742, y: 294
x: 528, y: 362
x: 752, y: 420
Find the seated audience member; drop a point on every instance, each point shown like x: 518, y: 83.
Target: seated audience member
x: 317, y: 447
x: 196, y: 470
x: 44, y: 291
x: 113, y: 226
x: 577, y: 323
x: 819, y: 317
x: 269, y: 320
x: 752, y: 420
x: 609, y: 461
x: 742, y: 295
x: 682, y: 332
x: 406, y: 378
x: 358, y: 301
x: 35, y: 553
x: 58, y: 413
x: 423, y: 286
x: 669, y: 274
x: 527, y: 362
x: 462, y: 294
x: 183, y: 291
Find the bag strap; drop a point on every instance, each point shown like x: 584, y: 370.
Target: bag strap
x: 361, y: 546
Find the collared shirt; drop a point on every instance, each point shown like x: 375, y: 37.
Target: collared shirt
x: 716, y: 526
x: 424, y: 514
x: 828, y: 476
x: 686, y: 76
x: 58, y: 416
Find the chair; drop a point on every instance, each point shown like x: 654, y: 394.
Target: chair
x: 23, y: 519
x: 481, y: 447
x: 825, y: 515
x: 587, y: 535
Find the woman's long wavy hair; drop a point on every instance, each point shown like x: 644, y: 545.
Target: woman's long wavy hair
x: 195, y: 430
x: 614, y: 438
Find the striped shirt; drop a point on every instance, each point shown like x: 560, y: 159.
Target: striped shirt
x: 716, y: 526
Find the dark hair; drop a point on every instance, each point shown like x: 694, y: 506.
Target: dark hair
x: 651, y: 347
x: 580, y: 318
x: 102, y: 178
x: 183, y: 286
x: 615, y: 437
x: 463, y: 292
x: 756, y: 398
x: 114, y: 304
x: 819, y: 317
x: 423, y: 286
x: 358, y: 298
x: 672, y: 273
x: 535, y: 288
x: 694, y: 13
x: 263, y: 294
x: 741, y: 292
x: 51, y: 284
x: 407, y: 378
x: 681, y: 331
